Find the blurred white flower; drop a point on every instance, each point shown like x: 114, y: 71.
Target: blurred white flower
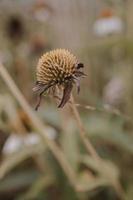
x: 16, y: 142
x: 108, y: 24
x: 12, y: 144
x: 113, y: 93
x: 41, y: 11
x: 42, y: 15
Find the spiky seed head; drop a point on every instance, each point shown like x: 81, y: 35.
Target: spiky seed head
x: 56, y: 65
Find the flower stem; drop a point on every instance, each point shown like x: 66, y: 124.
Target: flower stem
x: 91, y: 150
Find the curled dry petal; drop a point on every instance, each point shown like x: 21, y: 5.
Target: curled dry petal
x: 66, y: 94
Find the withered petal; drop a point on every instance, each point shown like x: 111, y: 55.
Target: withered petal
x: 38, y: 87
x: 79, y: 74
x: 66, y: 94
x: 78, y: 85
x: 80, y: 65
x: 41, y: 88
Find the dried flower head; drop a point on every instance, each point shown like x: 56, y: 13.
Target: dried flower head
x: 15, y: 28
x: 58, y: 68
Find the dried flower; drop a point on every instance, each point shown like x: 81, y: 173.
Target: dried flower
x: 58, y: 68
x: 15, y: 28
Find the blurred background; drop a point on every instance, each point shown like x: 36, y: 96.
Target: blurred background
x: 99, y: 33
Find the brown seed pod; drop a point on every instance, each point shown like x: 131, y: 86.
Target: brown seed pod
x: 58, y: 67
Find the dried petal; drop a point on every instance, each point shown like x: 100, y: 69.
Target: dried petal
x: 66, y: 94
x: 80, y: 65
x: 41, y: 88
x: 78, y: 85
x: 38, y: 87
x: 79, y: 74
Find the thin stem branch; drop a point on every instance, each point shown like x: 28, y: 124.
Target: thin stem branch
x: 89, y: 146
x: 91, y: 150
x: 38, y: 125
x: 112, y: 111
